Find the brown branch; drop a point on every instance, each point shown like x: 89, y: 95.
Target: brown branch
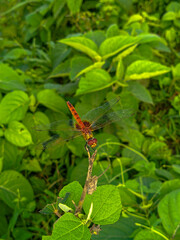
x: 88, y: 180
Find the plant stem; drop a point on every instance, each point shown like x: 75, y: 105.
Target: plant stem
x: 88, y: 179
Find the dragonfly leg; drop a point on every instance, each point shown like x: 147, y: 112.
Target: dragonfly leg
x: 87, y: 147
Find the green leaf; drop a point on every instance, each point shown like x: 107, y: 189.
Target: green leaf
x: 120, y: 70
x: 84, y: 45
x: 13, y: 186
x: 93, y: 66
x: 31, y: 165
x: 12, y: 155
x: 17, y: 134
x: 18, y: 5
x: 77, y: 146
x: 113, y: 45
x: 74, y: 5
x: 52, y: 100
x: 173, y: 6
x: 79, y: 172
x: 69, y: 227
x: 148, y: 38
x: 97, y: 36
x: 95, y: 80
x: 128, y: 199
x: 169, y: 16
x: 75, y: 190
x: 148, y: 235
x: 62, y: 70
x: 169, y: 186
x: 17, y: 53
x: 135, y: 18
x: 142, y: 69
x: 125, y: 228
x: 64, y: 208
x: 32, y: 121
x: 4, y: 223
x: 13, y: 106
x: 57, y: 7
x: 176, y: 168
x: 125, y: 53
x: 146, y: 168
x: 78, y: 64
x: 46, y: 238
x: 112, y: 31
x: 134, y: 137
x: 22, y: 233
x: 107, y: 141
x: 106, y: 205
x: 140, y: 92
x: 53, y: 207
x: 169, y: 212
x: 59, y: 52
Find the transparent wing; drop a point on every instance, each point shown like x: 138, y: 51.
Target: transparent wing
x: 56, y: 141
x: 96, y: 113
x: 61, y: 125
x: 59, y: 132
x: 111, y: 117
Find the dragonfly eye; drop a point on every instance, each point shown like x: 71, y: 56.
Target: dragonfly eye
x: 92, y: 142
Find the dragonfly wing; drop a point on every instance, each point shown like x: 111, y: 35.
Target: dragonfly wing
x: 96, y: 113
x: 111, y: 117
x: 59, y: 132
x: 62, y: 125
x: 56, y: 141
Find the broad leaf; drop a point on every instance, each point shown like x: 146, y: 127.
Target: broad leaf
x: 75, y: 190
x: 95, y: 80
x: 84, y: 45
x: 17, y: 134
x: 124, y: 228
x: 13, y: 106
x: 145, y: 69
x: 93, y: 66
x: 46, y: 238
x: 140, y: 92
x: 70, y: 227
x: 169, y: 212
x: 31, y: 165
x: 53, y: 207
x: 106, y: 205
x: 105, y: 144
x: 62, y: 70
x: 125, y: 53
x: 148, y: 38
x: 78, y: 64
x: 114, y: 45
x: 52, y: 100
x: 15, y: 189
x: 169, y: 186
x: 74, y: 5
x: 17, y: 53
x: 148, y: 235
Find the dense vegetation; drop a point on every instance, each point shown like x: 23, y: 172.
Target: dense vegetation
x: 88, y: 53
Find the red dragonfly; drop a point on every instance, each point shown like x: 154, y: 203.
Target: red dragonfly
x: 95, y: 119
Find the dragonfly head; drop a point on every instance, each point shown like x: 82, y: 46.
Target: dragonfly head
x: 92, y: 142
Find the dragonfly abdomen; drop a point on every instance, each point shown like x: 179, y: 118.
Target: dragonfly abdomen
x: 75, y: 115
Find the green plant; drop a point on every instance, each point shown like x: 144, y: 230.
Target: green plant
x: 130, y: 51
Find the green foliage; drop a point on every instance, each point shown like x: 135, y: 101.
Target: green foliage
x: 89, y: 52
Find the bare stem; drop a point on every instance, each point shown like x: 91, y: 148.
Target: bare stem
x: 88, y: 179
